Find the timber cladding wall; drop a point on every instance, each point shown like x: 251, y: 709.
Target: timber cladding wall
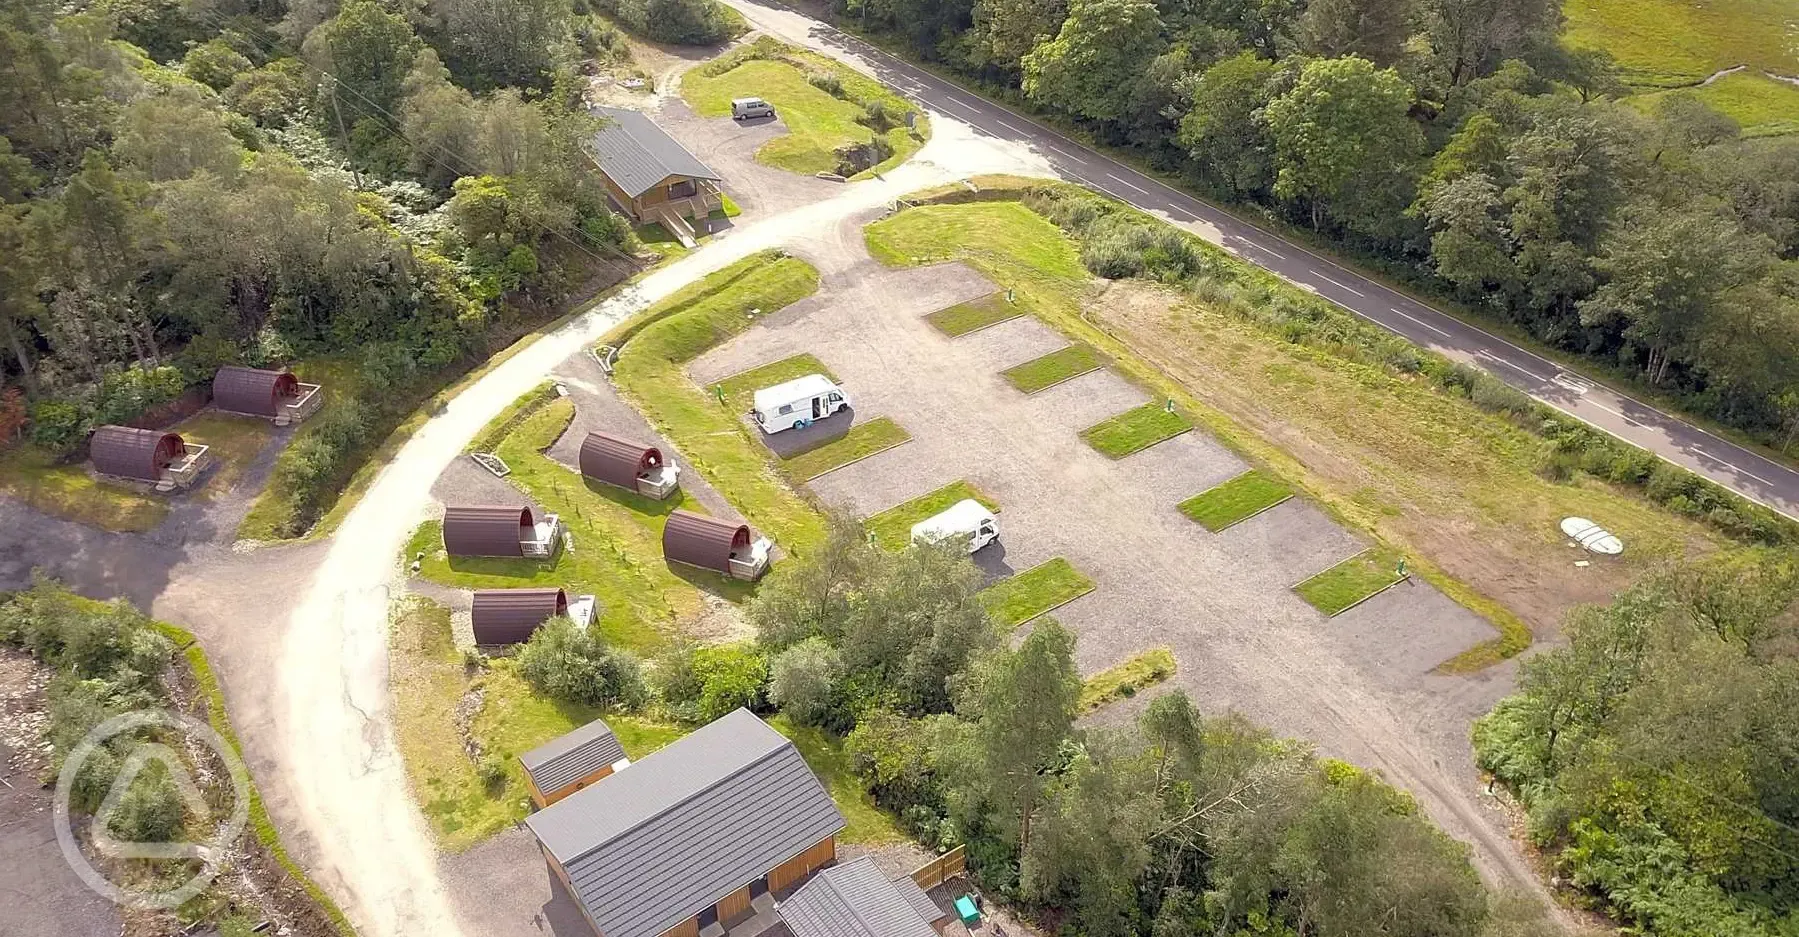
x: 546, y: 798
x: 687, y: 928
x: 793, y: 871
x: 734, y: 906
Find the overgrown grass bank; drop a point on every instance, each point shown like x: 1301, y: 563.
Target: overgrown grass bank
x: 1122, y: 681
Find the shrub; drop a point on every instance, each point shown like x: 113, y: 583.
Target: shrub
x: 214, y: 64
x: 875, y: 116
x: 150, y: 810
x: 803, y: 683
x: 572, y: 664
x: 826, y: 82
x: 491, y: 770
x: 700, y: 684
x: 126, y: 394
x: 57, y: 426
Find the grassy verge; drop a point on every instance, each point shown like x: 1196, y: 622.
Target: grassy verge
x: 975, y: 315
x: 1124, y: 680
x: 71, y: 493
x: 1236, y: 500
x: 740, y: 389
x: 274, y: 506
x: 823, y: 752
x: 863, y: 440
x: 824, y: 105
x: 1135, y: 429
x: 892, y: 528
x: 1349, y: 582
x: 1043, y: 587
x: 618, y: 544
x: 219, y: 717
x: 510, y: 417
x: 1052, y: 369
x: 1474, y: 457
x: 715, y: 442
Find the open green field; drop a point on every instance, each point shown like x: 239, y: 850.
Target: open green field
x: 1121, y: 681
x: 1349, y: 582
x: 740, y: 389
x: 1043, y: 587
x: 976, y: 314
x: 1135, y: 429
x: 1762, y: 106
x: 818, y: 123
x: 655, y: 346
x: 892, y: 528
x: 1242, y: 497
x: 1663, y: 43
x: 863, y: 440
x: 618, y: 544
x: 1052, y: 369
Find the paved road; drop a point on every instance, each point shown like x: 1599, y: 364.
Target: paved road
x: 1745, y: 472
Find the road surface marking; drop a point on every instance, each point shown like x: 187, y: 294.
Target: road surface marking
x: 1280, y: 256
x: 1065, y: 153
x: 1126, y: 184
x: 1489, y: 356
x: 1417, y: 321
x: 1009, y: 127
x: 1343, y: 286
x: 1573, y: 382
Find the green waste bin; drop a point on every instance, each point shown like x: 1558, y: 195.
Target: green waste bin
x: 966, y: 910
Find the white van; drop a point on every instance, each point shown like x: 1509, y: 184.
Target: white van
x: 798, y: 403
x: 966, y: 518
x: 746, y: 108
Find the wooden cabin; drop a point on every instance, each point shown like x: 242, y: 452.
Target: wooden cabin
x: 710, y: 543
x: 632, y: 466
x: 275, y: 395
x: 152, y: 456
x: 652, y: 177
x: 499, y: 530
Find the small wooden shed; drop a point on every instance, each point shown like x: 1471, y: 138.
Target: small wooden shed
x: 498, y: 530
x: 276, y: 395
x: 149, y: 455
x: 509, y: 616
x: 567, y: 764
x: 710, y: 543
x: 629, y: 465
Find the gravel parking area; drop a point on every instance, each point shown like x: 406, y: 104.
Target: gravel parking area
x: 729, y: 147
x: 1358, y: 686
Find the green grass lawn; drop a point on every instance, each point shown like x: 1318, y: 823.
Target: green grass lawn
x: 618, y: 544
x: 1350, y: 581
x: 740, y: 389
x: 714, y: 440
x: 863, y: 440
x: 1660, y: 43
x: 1135, y: 429
x: 1043, y: 587
x: 824, y: 754
x: 975, y: 315
x: 817, y: 123
x: 1124, y: 680
x: 892, y: 528
x: 1242, y: 497
x: 1052, y: 369
x: 70, y: 492
x: 1762, y: 106
x: 236, y: 441
x: 659, y: 241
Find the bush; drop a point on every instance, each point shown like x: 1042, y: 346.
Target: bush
x: 150, y: 810
x: 214, y: 64
x: 803, y: 684
x: 572, y: 664
x: 700, y: 684
x: 826, y: 82
x: 491, y: 770
x: 125, y: 395
x: 57, y: 426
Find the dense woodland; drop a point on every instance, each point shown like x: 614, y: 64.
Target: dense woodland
x: 1456, y: 144
x: 1658, y: 752
x: 186, y: 184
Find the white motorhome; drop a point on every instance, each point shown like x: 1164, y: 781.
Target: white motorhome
x: 966, y: 518
x: 798, y: 403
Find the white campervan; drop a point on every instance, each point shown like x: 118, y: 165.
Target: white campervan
x: 798, y: 403
x: 966, y: 518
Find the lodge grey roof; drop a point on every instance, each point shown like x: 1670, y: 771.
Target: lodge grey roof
x: 650, y: 846
x: 636, y: 154
x: 562, y: 761
x: 855, y: 900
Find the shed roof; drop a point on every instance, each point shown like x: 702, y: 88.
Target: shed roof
x: 129, y: 452
x: 617, y: 461
x: 649, y: 847
x: 485, y: 529
x: 636, y: 154
x: 508, y: 616
x: 800, y: 388
x: 564, y: 760
x: 702, y: 541
x: 252, y: 390
x: 855, y: 900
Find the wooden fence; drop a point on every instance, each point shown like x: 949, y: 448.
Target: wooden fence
x: 941, y: 869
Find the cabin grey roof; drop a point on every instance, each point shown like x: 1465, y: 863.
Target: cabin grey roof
x: 637, y: 154
x: 650, y: 846
x: 560, y: 762
x: 855, y: 900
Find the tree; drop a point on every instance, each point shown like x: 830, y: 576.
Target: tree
x: 1222, y: 130
x: 367, y: 52
x: 1024, y: 702
x: 1090, y: 69
x: 701, y: 684
x: 1373, y: 29
x: 1469, y: 38
x: 571, y: 663
x: 174, y: 135
x: 1007, y: 30
x: 1090, y: 843
x: 505, y: 43
x: 1345, y: 142
x: 1471, y: 247
x: 803, y: 682
x: 215, y: 64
